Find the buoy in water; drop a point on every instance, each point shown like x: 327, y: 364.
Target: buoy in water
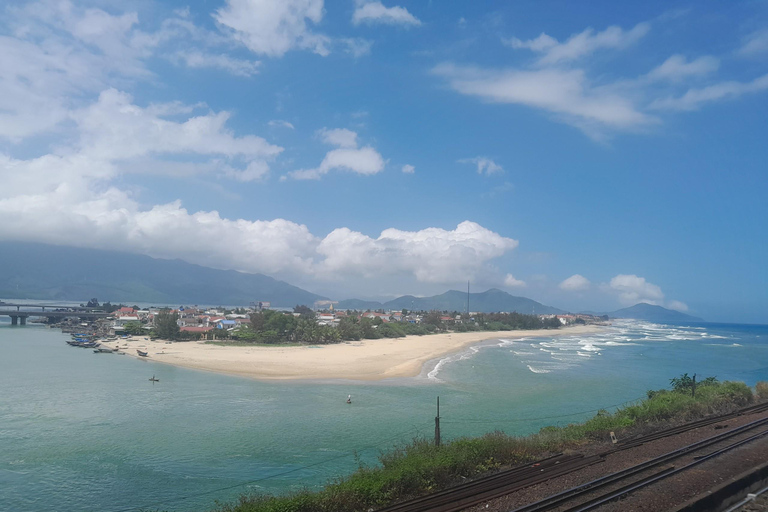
x: 349, y: 399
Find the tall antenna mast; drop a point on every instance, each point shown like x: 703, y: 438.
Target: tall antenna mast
x: 467, y: 298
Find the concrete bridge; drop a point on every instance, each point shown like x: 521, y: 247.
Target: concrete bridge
x: 20, y: 312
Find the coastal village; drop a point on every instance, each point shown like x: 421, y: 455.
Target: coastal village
x: 205, y: 323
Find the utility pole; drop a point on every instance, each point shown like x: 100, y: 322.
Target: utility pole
x: 437, y: 424
x: 693, y: 392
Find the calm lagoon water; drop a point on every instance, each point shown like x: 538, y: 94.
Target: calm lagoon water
x: 82, y: 431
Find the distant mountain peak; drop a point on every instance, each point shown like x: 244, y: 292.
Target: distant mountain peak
x: 488, y: 301
x: 653, y: 313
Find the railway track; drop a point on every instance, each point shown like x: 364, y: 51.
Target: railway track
x: 611, y: 487
x: 622, y: 482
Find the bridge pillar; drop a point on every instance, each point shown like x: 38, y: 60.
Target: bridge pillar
x: 23, y: 320
x: 14, y: 320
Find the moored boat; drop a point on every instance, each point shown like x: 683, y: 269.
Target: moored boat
x: 142, y: 353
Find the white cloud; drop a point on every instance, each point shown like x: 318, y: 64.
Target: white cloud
x: 432, y: 255
x: 484, y: 165
x: 365, y: 161
x: 694, y: 98
x: 559, y: 82
x: 511, y: 282
x: 540, y: 44
x: 57, y: 55
x: 676, y: 68
x: 367, y: 11
x: 274, y: 27
x: 566, y: 93
x: 83, y: 207
x: 280, y: 122
x: 348, y: 157
x: 677, y: 305
x: 338, y: 137
x: 575, y: 283
x: 408, y: 169
x: 114, y: 129
x: 237, y: 67
x: 357, y: 47
x: 580, y: 45
x: 633, y: 289
x: 755, y: 44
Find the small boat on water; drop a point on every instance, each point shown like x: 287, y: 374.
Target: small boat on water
x: 153, y: 379
x: 142, y: 353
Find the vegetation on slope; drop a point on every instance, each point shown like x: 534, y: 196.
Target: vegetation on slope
x: 421, y: 467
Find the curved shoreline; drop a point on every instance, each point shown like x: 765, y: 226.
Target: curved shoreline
x: 365, y: 360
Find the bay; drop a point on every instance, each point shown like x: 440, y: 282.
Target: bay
x: 84, y: 431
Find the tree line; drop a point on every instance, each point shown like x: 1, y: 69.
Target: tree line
x: 277, y: 327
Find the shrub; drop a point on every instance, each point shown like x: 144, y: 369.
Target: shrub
x: 761, y: 389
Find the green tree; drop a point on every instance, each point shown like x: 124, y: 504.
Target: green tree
x: 133, y: 328
x: 166, y: 326
x: 304, y: 311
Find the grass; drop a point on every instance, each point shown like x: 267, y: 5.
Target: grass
x: 420, y: 467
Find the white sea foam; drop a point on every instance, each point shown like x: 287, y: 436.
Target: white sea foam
x: 537, y: 370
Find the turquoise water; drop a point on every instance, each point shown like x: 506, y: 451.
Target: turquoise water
x: 84, y: 431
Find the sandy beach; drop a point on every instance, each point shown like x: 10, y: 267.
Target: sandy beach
x: 367, y: 360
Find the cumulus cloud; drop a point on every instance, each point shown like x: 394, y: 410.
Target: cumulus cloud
x: 633, y: 289
x: 408, y: 169
x: 274, y: 27
x: 97, y: 215
x: 575, y: 283
x: 56, y: 55
x: 372, y: 12
x: 338, y: 137
x: 432, y: 255
x: 511, y: 282
x: 347, y: 157
x: 484, y: 165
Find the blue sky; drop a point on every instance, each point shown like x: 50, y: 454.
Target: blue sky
x: 586, y: 155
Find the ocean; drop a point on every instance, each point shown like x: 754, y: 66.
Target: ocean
x: 90, y: 432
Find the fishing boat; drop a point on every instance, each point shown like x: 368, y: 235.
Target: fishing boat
x: 103, y: 351
x: 153, y: 379
x: 142, y: 353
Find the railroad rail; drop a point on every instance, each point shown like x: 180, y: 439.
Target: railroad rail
x: 525, y: 475
x: 581, y: 491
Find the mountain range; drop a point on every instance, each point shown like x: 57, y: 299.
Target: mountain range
x: 453, y: 300
x: 49, y: 272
